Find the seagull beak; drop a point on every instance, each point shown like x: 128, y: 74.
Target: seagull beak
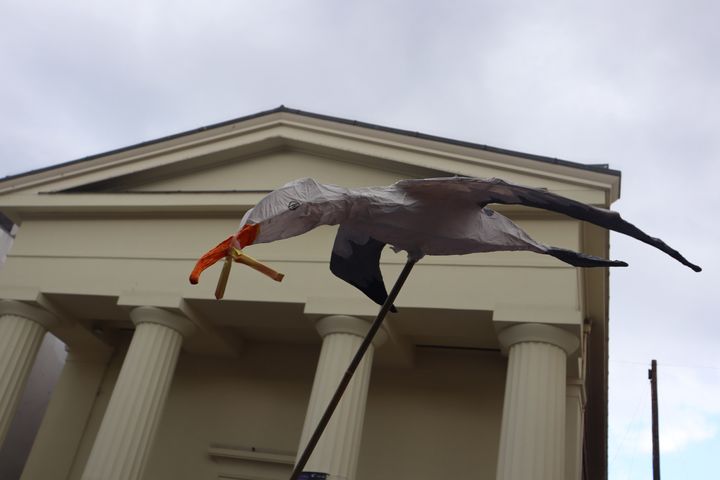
x: 247, y: 235
x: 231, y: 249
x: 211, y: 257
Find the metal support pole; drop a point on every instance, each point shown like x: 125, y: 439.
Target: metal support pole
x: 652, y: 375
x: 312, y: 442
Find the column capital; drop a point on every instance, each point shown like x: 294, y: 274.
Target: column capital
x: 347, y: 324
x: 162, y: 317
x: 35, y: 314
x: 537, y: 332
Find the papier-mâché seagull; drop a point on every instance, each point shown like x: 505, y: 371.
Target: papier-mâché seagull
x: 434, y: 216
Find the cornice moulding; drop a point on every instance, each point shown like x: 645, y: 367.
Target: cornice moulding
x: 338, y: 139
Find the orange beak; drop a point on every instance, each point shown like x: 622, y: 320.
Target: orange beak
x: 228, y: 250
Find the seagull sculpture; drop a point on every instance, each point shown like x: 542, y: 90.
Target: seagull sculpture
x: 435, y: 216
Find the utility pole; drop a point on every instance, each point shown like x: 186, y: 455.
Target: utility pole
x: 652, y: 375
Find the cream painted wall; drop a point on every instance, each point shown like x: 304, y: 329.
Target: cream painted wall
x: 274, y: 169
x: 66, y: 255
x: 438, y: 419
x: 256, y: 401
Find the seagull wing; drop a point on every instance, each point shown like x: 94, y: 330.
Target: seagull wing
x: 494, y: 190
x: 356, y: 259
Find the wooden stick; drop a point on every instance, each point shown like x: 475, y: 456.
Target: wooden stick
x: 312, y: 442
x: 224, y: 275
x: 241, y: 257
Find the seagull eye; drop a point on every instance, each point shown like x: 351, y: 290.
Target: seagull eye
x: 293, y: 205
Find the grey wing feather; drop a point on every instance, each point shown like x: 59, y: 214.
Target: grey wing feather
x: 494, y: 190
x: 507, y: 193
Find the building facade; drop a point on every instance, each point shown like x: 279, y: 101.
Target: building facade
x: 495, y: 366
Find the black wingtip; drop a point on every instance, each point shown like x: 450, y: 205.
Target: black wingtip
x: 505, y: 193
x: 584, y: 260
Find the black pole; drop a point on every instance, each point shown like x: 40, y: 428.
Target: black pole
x: 652, y: 375
x: 310, y: 447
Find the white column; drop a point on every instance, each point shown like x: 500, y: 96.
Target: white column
x: 532, y: 437
x: 126, y: 433
x: 336, y: 454
x: 22, y: 329
x: 574, y: 429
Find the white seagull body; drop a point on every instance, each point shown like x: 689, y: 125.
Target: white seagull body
x: 437, y: 216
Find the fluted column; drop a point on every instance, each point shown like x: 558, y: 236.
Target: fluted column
x: 532, y: 437
x: 126, y: 433
x: 22, y: 329
x: 336, y: 454
x: 574, y: 429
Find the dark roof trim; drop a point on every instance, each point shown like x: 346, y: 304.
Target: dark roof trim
x: 600, y: 168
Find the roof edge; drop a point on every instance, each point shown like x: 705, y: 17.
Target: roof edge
x: 598, y: 168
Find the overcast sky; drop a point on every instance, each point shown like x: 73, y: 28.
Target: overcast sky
x: 635, y: 84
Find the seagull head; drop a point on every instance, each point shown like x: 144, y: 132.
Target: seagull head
x: 295, y: 208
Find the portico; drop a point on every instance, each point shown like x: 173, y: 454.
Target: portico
x: 163, y: 381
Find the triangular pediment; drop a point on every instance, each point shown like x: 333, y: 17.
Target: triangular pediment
x: 258, y: 172
x: 260, y: 153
